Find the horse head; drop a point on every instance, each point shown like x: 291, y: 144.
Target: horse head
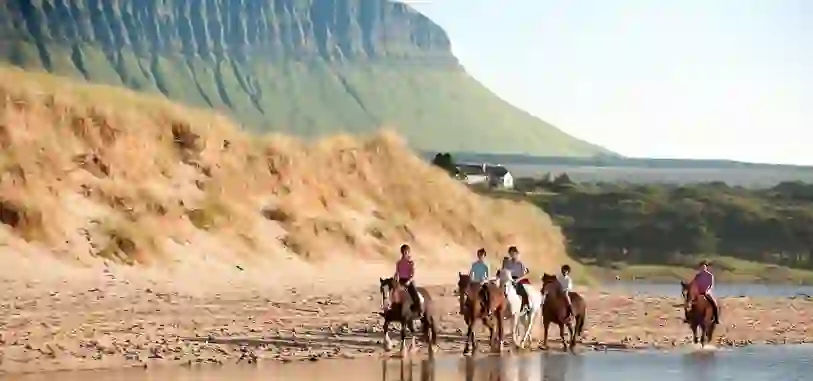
x: 463, y: 282
x: 386, y: 287
x: 505, y: 278
x: 550, y: 285
x: 689, y: 293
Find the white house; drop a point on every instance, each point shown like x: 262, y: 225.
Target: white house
x: 473, y: 173
x: 494, y: 175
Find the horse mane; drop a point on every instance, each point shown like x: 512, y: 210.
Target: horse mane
x: 692, y: 291
x: 548, y: 279
x: 471, y: 289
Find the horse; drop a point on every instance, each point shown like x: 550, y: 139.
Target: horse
x: 485, y: 303
x: 554, y: 310
x: 515, y: 307
x: 699, y: 312
x: 397, y: 307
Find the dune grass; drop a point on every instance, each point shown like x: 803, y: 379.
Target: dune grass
x: 97, y: 172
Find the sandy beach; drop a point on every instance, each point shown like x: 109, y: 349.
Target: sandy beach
x: 111, y: 321
x: 223, y: 241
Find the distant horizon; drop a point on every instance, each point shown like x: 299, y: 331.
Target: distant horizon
x: 728, y: 88
x: 624, y: 158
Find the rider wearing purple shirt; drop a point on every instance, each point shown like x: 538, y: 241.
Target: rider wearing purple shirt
x: 704, y: 281
x: 405, y: 273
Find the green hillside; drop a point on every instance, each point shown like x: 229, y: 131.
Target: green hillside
x: 308, y: 67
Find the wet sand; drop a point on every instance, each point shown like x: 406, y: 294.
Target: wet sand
x: 114, y: 323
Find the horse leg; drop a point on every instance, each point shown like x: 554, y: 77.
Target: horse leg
x: 711, y: 332
x: 387, y: 342
x: 519, y: 325
x: 703, y: 331
x: 429, y: 332
x: 546, y: 327
x: 403, y: 336
x: 425, y: 330
x: 562, y: 336
x: 500, y: 328
x: 487, y: 323
x: 470, y: 337
x: 580, y: 323
x: 572, y: 332
x: 529, y: 327
x: 412, y: 332
x: 694, y: 333
x: 520, y: 334
x: 433, y: 330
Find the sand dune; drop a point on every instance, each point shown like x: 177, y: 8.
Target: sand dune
x: 94, y: 174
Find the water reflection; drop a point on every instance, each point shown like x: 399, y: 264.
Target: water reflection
x: 757, y: 363
x: 545, y: 367
x: 699, y: 366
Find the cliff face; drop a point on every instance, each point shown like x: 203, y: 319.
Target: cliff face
x: 311, y: 67
x: 334, y: 30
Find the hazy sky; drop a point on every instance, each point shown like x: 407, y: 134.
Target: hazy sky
x: 657, y: 78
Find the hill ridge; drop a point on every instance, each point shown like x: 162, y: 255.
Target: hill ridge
x: 309, y: 67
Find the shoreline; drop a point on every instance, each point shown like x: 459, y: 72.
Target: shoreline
x: 757, y: 274
x: 118, y: 324
x: 169, y: 366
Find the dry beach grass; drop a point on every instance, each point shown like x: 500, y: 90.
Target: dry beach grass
x: 89, y: 172
x: 135, y: 232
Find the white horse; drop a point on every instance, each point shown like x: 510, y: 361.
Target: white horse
x: 515, y: 305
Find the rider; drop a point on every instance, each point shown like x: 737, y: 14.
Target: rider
x: 567, y: 284
x: 704, y: 281
x: 518, y: 274
x: 479, y: 269
x: 479, y: 274
x: 405, y: 272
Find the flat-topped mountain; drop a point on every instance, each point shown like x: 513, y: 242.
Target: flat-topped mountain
x: 309, y: 67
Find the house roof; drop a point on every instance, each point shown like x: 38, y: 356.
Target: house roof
x: 497, y: 170
x: 470, y: 169
x: 477, y: 169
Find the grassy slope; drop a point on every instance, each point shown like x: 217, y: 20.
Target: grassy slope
x: 436, y: 107
x: 101, y: 172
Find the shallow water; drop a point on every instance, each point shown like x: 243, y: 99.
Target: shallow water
x: 720, y: 290
x: 786, y: 363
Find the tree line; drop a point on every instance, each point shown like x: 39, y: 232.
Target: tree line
x: 663, y: 224
x: 666, y: 223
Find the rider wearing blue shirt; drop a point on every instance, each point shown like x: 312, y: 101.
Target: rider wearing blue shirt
x: 479, y: 270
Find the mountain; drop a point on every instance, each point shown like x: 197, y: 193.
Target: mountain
x: 309, y: 67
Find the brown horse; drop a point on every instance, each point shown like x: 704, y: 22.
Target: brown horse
x: 397, y: 307
x: 484, y: 303
x: 554, y: 310
x: 699, y: 312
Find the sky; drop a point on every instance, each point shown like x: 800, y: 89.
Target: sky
x: 716, y: 79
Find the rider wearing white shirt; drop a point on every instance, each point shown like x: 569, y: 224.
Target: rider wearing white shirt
x: 567, y: 285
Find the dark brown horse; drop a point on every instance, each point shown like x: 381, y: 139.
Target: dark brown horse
x: 554, y: 310
x: 484, y: 303
x: 397, y: 307
x: 699, y: 312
